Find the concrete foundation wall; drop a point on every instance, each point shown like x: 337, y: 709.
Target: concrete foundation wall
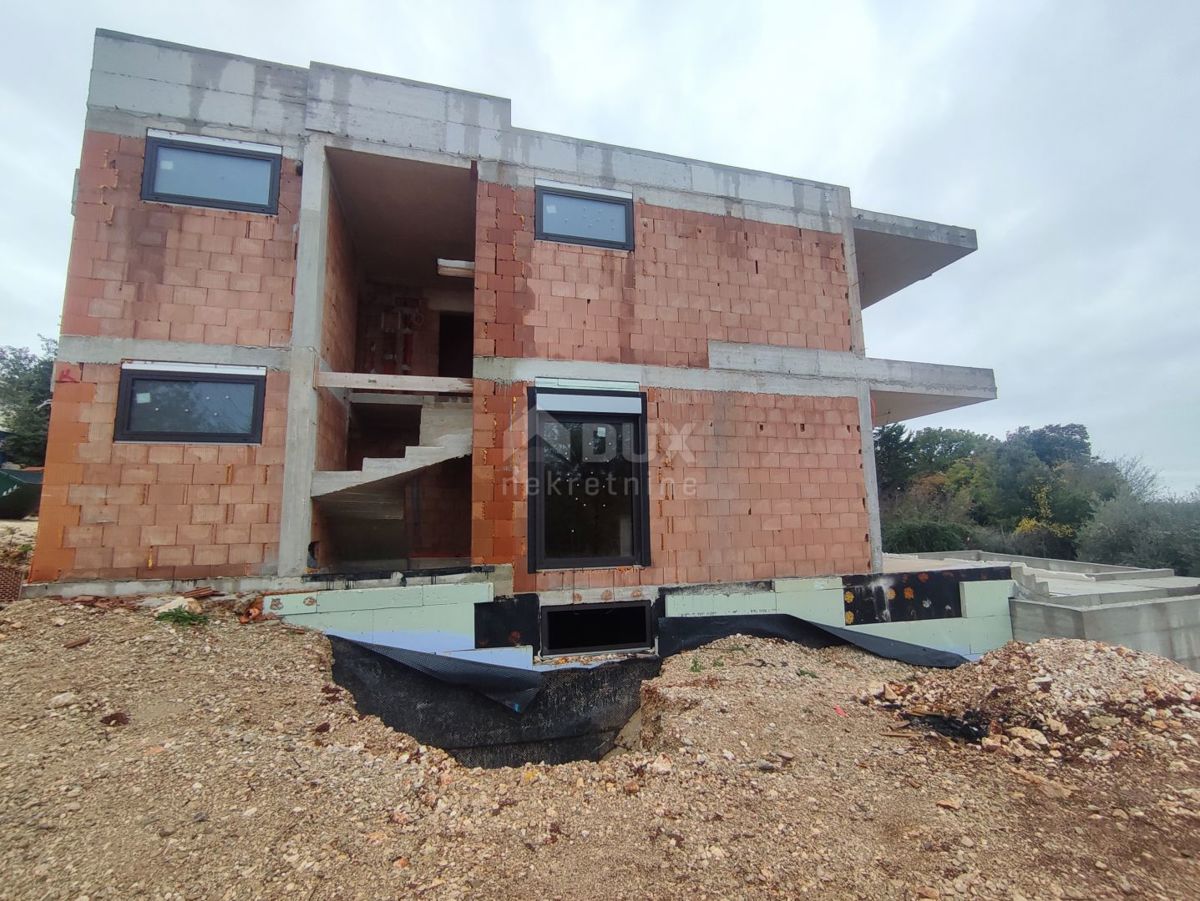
x: 984, y: 625
x: 1169, y: 627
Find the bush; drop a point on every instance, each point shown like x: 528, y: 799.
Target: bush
x: 912, y: 536
x: 1154, y: 534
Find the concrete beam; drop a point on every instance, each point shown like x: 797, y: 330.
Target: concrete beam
x: 525, y: 369
x: 138, y: 83
x: 82, y: 349
x: 899, y: 389
x: 415, y: 384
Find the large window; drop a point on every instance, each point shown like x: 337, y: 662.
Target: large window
x: 190, y: 404
x: 588, y: 503
x: 191, y: 169
x: 584, y: 217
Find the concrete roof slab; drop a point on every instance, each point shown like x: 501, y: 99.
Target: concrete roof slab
x: 895, y: 252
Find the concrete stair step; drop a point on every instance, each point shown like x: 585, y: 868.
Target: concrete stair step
x: 378, y: 468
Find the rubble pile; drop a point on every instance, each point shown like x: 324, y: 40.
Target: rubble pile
x: 1059, y: 699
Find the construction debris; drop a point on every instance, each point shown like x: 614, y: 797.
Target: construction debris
x: 183, y: 602
x: 204, y: 591
x: 1058, y: 699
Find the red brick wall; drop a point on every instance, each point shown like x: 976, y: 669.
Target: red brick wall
x: 742, y: 486
x: 691, y: 277
x: 179, y: 273
x: 164, y: 272
x: 154, y: 511
x: 332, y: 428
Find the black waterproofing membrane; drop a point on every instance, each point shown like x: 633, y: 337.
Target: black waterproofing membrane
x: 516, y: 688
x: 682, y: 633
x: 577, y: 713
x: 512, y: 687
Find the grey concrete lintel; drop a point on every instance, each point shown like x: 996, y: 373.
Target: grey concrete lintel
x: 88, y: 349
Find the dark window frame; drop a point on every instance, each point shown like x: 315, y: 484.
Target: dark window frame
x: 547, y: 610
x: 541, y: 234
x: 124, y: 432
x: 538, y: 561
x: 150, y: 169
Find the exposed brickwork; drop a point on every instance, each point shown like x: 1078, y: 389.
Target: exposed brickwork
x: 692, y: 277
x: 179, y: 273
x: 332, y: 420
x: 155, y: 511
x: 742, y: 486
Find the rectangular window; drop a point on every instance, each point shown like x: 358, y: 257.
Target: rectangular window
x: 582, y: 217
x: 190, y: 404
x: 588, y: 501
x: 587, y: 628
x: 230, y: 175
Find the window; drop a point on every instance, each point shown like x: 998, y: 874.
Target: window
x: 586, y: 628
x: 588, y: 502
x: 190, y: 404
x: 230, y: 175
x: 583, y: 217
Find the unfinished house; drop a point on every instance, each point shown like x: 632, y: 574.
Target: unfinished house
x: 327, y: 330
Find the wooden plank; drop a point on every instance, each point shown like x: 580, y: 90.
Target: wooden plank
x: 421, y: 384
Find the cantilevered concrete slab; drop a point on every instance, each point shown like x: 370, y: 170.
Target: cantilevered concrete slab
x: 900, y: 389
x: 895, y: 252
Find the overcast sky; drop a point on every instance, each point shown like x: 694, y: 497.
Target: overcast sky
x: 1067, y: 134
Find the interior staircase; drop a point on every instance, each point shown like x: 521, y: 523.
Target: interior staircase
x: 445, y: 435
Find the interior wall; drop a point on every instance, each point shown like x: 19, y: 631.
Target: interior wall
x: 439, y: 508
x: 398, y: 325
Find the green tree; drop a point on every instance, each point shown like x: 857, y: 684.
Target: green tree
x: 894, y: 464
x: 25, y: 401
x: 1055, y: 444
x: 936, y: 450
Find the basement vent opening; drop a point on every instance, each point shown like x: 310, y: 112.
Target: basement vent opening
x: 588, y: 628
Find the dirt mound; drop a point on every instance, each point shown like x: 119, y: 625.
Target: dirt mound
x: 1059, y: 698
x: 209, y: 759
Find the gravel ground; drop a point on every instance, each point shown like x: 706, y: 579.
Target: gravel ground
x: 218, y: 761
x: 16, y: 541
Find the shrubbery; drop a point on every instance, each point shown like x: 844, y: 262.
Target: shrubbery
x: 1132, y: 532
x: 1039, y: 493
x: 911, y: 536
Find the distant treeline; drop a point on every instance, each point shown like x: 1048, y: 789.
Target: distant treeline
x: 1040, y: 492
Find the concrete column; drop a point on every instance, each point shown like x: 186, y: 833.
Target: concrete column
x: 300, y: 458
x: 858, y: 346
x: 870, y: 480
x: 845, y: 212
